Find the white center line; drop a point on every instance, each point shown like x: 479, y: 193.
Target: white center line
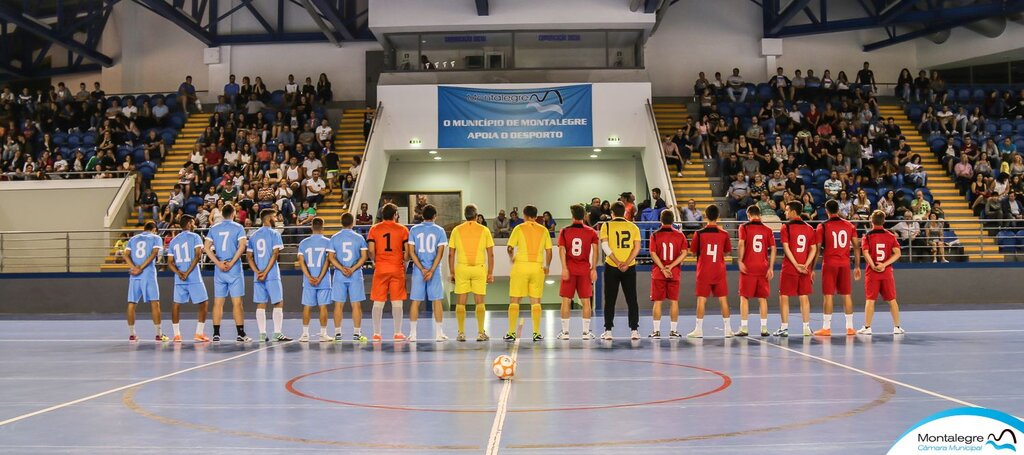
x: 494, y: 440
x: 134, y: 384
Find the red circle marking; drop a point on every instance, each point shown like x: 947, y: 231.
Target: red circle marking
x: 290, y: 386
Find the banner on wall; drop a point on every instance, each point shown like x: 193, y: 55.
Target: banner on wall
x: 513, y: 118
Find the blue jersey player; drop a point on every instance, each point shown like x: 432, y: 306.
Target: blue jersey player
x: 224, y: 245
x: 348, y: 253
x: 426, y: 246
x: 140, y: 253
x: 183, y: 255
x: 316, y: 283
x: 263, y: 249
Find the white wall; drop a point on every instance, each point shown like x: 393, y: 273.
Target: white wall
x: 393, y: 16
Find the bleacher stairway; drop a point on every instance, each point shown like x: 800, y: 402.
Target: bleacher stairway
x: 694, y: 182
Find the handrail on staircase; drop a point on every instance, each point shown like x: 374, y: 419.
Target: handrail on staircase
x: 670, y: 194
x: 369, y: 139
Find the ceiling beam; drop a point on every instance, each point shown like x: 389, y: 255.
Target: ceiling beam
x: 787, y: 15
x: 483, y: 8
x: 15, y: 17
x: 332, y: 16
x: 180, y: 19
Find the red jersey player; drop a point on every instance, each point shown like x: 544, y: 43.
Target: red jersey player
x: 577, y: 247
x: 757, y: 264
x: 881, y: 250
x: 798, y: 245
x: 836, y: 237
x: 668, y: 250
x: 710, y: 245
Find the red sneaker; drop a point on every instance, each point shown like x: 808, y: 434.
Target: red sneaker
x: 399, y: 337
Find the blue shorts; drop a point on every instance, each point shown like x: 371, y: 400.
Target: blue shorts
x: 348, y: 288
x: 190, y: 293
x: 426, y: 291
x: 143, y: 290
x: 316, y: 296
x: 267, y: 291
x: 228, y: 284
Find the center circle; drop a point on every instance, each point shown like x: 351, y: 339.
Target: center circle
x: 726, y: 381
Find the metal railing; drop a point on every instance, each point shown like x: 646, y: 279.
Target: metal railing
x: 377, y: 116
x: 87, y: 250
x: 670, y: 195
x: 72, y: 174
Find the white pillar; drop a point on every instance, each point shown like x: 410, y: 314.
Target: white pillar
x: 771, y: 49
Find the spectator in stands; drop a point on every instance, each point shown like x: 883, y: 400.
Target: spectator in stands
x: 187, y: 95
x: 160, y: 112
x: 908, y: 232
x: 501, y: 227
x: 993, y: 208
x: 363, y: 218
x: 866, y: 79
x: 915, y: 172
x: 780, y: 84
x: 176, y: 199
x: 514, y: 219
x: 672, y: 154
x: 736, y: 85
x: 963, y: 171
x: 231, y: 90
x: 548, y: 220
x: 324, y: 94
x: 809, y: 211
x: 148, y: 203
x: 833, y: 185
x: 935, y: 238
x: 692, y: 217
x: 260, y: 89
x: 291, y: 90
x: 315, y: 187
x: 739, y: 193
x: 324, y: 134
x: 938, y: 88
x: 919, y: 207
x: 905, y: 85
x: 1013, y: 210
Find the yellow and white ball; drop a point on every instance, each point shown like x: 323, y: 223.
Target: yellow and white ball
x: 504, y: 367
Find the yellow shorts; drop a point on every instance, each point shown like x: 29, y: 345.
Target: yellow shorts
x: 471, y: 278
x: 526, y: 280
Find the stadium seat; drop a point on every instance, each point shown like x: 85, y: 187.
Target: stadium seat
x: 741, y: 215
x: 1007, y: 242
x: 192, y: 205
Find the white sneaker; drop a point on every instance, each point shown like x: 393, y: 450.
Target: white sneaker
x: 411, y: 338
x: 679, y: 174
x: 898, y: 331
x: 728, y: 332
x: 607, y: 335
x: 326, y: 338
x: 696, y: 333
x: 864, y: 331
x: 634, y: 335
x: 588, y: 335
x: 304, y: 338
x: 944, y: 261
x: 563, y: 336
x: 441, y: 337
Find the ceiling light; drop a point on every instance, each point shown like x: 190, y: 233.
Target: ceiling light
x: 597, y: 150
x: 437, y: 158
x: 593, y: 156
x: 433, y: 152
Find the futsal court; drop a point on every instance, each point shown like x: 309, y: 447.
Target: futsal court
x: 80, y: 383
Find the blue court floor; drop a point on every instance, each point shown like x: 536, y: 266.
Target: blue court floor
x: 79, y: 387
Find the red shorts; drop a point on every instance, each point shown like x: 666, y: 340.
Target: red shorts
x: 385, y: 283
x: 718, y: 288
x: 577, y: 285
x: 835, y: 279
x: 662, y: 289
x: 795, y: 285
x: 754, y: 286
x: 886, y: 286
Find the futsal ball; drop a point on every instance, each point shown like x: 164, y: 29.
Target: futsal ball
x: 504, y: 367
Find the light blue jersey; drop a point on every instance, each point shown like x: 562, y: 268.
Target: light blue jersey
x: 313, y: 251
x: 182, y: 250
x: 425, y: 238
x: 347, y: 246
x: 262, y: 244
x: 139, y: 247
x: 225, y: 237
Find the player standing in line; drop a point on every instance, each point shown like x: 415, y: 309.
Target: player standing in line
x: 224, y: 245
x: 710, y: 245
x: 837, y: 236
x: 668, y: 250
x: 426, y: 250
x: 620, y: 240
x: 387, y: 250
x: 183, y: 255
x: 529, y: 249
x: 140, y: 253
x: 262, y: 252
x: 348, y: 254
x: 798, y: 268
x: 577, y: 248
x: 471, y: 244
x: 316, y: 285
x: 881, y: 250
x: 757, y: 267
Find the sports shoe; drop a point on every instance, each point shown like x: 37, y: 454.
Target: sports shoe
x: 696, y: 333
x: 441, y: 337
x: 243, y: 339
x: 864, y: 331
x: 850, y: 332
x: 264, y: 338
x: 742, y: 332
x: 400, y: 337
x: 359, y: 337
x: 728, y: 333
x: 304, y: 338
x: 377, y: 338
x: 326, y: 338
x: 634, y: 334
x: 537, y: 336
x: 511, y: 336
x: 162, y: 338
x: 781, y: 333
x: 765, y: 332
x: 133, y: 338
x: 655, y: 334
x: 176, y: 339
x: 338, y: 338
x: 823, y: 333
x: 679, y: 174
x: 807, y: 332
x: 898, y: 330
x: 216, y: 338
x: 460, y: 337
x: 607, y: 335
x: 280, y: 337
x: 201, y: 338
x: 410, y: 339
x: 563, y: 336
x: 675, y: 334
x: 588, y: 335
x: 482, y: 336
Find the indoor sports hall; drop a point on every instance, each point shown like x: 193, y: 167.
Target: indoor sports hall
x: 511, y: 226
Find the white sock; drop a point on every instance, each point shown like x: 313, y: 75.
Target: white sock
x: 305, y: 330
x: 355, y: 331
x: 323, y: 331
x: 377, y: 313
x: 785, y: 325
x: 438, y: 328
x: 396, y: 314
x: 586, y: 325
x: 131, y: 330
x: 412, y: 328
x: 764, y: 322
x: 261, y: 320
x: 849, y: 321
x: 727, y: 323
x: 700, y: 324
x: 177, y: 329
x: 673, y: 326
x: 807, y: 326
x: 158, y: 330
x: 743, y: 324
x: 278, y: 315
x: 826, y: 321
x: 200, y: 327
x: 565, y: 326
